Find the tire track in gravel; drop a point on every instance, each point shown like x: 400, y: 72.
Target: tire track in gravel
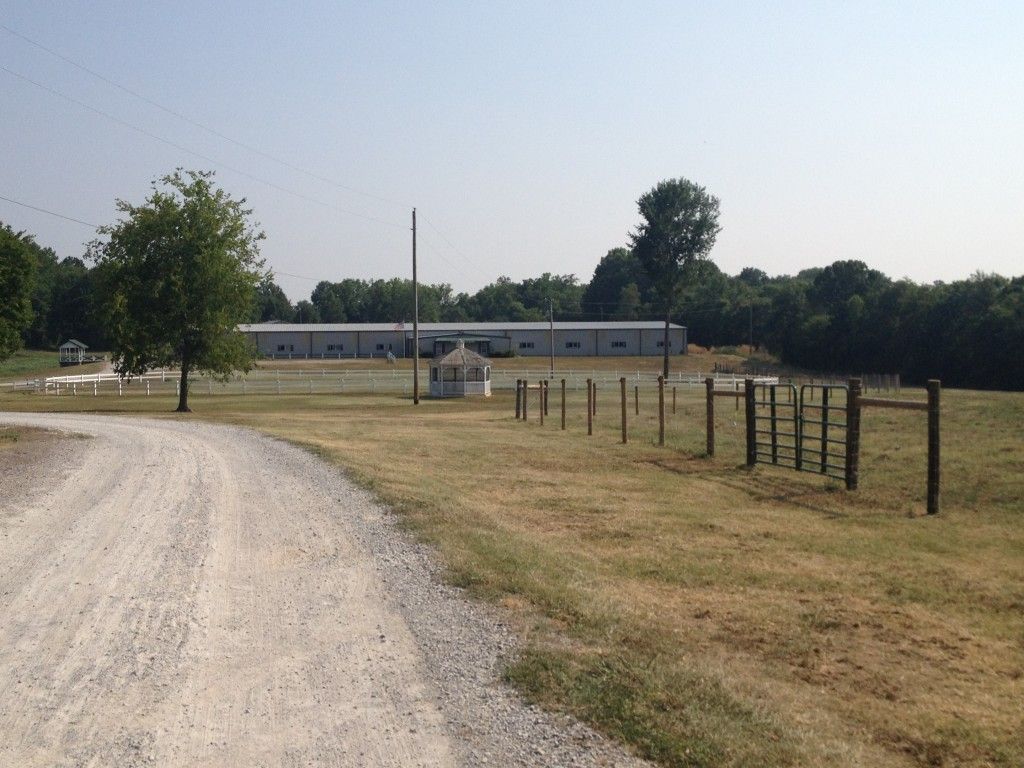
x: 184, y: 594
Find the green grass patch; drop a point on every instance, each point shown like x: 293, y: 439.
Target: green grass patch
x: 37, y: 363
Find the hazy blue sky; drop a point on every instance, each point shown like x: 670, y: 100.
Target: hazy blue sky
x: 887, y: 132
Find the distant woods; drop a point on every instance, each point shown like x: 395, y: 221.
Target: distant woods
x: 842, y: 318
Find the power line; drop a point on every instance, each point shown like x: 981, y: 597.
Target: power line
x: 451, y: 245
x: 299, y: 277
x: 201, y: 156
x: 196, y: 123
x: 219, y: 134
x: 51, y: 213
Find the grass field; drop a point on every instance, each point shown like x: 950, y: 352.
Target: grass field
x: 704, y: 362
x: 706, y: 614
x: 33, y: 363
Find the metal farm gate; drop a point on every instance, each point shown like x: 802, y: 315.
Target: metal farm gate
x: 806, y: 430
x: 818, y: 428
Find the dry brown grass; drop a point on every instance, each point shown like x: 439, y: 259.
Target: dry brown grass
x: 701, y: 360
x: 707, y: 614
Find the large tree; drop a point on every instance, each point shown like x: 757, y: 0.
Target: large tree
x: 17, y: 267
x: 272, y: 304
x: 679, y: 227
x: 177, y: 274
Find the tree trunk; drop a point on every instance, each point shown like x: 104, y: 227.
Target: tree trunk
x: 183, y: 388
x: 668, y: 320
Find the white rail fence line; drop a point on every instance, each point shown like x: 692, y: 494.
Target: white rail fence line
x: 328, y: 381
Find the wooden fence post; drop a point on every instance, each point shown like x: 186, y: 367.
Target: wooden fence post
x: 661, y: 410
x: 593, y: 400
x: 673, y: 399
x: 748, y: 397
x: 852, y: 434
x: 622, y: 385
x: 547, y: 391
x: 526, y: 396
x: 636, y: 399
x: 563, y: 405
x: 934, y: 390
x: 519, y: 394
x: 709, y: 384
x: 824, y: 430
x: 590, y: 407
x: 541, y: 409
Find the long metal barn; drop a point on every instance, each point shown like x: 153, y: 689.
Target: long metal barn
x: 571, y: 339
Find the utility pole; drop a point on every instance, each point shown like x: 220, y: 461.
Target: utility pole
x: 415, y: 320
x: 551, y: 327
x: 750, y: 328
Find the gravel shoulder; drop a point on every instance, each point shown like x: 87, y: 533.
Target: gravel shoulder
x: 186, y: 594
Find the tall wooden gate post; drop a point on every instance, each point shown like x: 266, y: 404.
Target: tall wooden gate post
x: 622, y: 386
x: 709, y: 384
x: 852, y: 434
x: 934, y: 390
x: 563, y: 405
x: 824, y: 429
x: 590, y: 407
x: 748, y: 397
x: 661, y: 410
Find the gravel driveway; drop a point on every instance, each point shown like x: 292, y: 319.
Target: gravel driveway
x: 175, y: 593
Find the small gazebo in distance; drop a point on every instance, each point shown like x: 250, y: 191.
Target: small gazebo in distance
x: 459, y: 373
x: 72, y: 352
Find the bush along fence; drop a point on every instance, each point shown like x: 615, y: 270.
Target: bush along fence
x: 808, y: 428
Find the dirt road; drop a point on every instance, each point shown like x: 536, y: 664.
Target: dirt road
x: 181, y: 594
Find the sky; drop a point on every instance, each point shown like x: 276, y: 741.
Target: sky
x: 524, y: 132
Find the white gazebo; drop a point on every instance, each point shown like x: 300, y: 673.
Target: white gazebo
x: 72, y: 352
x: 459, y: 373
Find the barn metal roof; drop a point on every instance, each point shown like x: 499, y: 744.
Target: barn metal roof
x: 560, y: 325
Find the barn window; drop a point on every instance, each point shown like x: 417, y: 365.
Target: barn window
x: 662, y: 344
x: 380, y: 347
x: 618, y: 345
x: 335, y: 347
x: 526, y: 345
x: 572, y: 345
x: 280, y: 347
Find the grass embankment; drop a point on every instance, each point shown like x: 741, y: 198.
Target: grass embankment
x: 37, y: 363
x: 706, y: 614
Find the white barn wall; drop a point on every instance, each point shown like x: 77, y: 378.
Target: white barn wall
x: 362, y: 340
x: 605, y: 339
x: 650, y: 343
x: 586, y: 338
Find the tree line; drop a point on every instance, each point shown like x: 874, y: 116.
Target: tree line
x: 844, y: 317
